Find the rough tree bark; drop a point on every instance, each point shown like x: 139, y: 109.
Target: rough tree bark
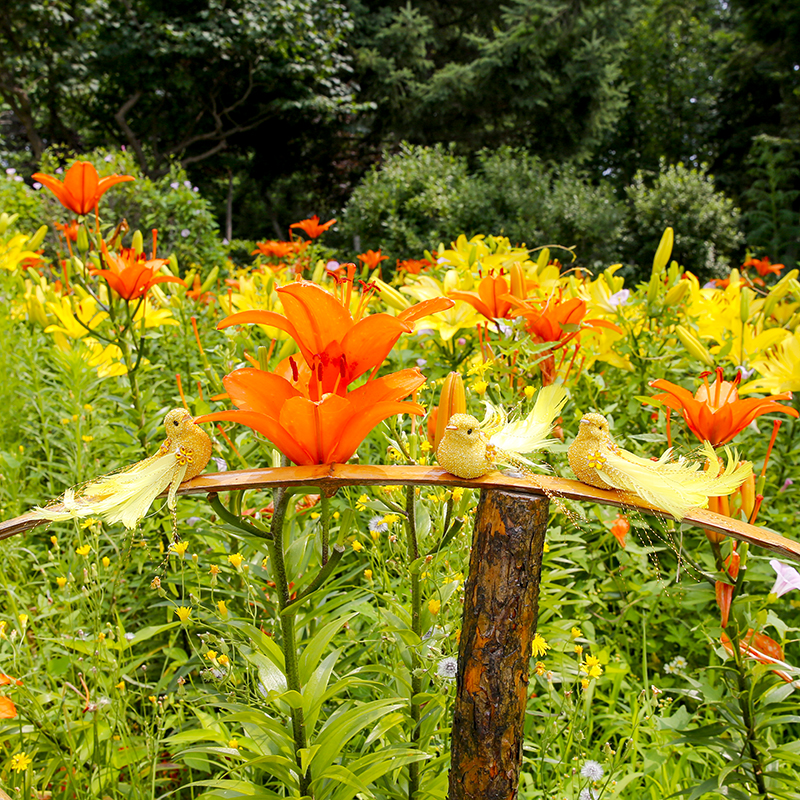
x: 500, y: 611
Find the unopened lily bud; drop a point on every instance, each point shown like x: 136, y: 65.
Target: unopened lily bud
x: 518, y: 285
x: 6, y: 220
x: 392, y: 297
x: 82, y: 240
x: 452, y: 400
x: 544, y: 257
x: 676, y: 293
x: 693, y: 345
x: 210, y: 280
x: 745, y: 296
x: 137, y: 243
x: 173, y: 264
x: 664, y: 251
x: 748, y: 492
x: 37, y: 238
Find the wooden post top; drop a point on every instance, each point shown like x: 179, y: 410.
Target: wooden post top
x: 329, y: 477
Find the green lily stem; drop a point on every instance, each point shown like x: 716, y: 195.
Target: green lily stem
x: 325, y: 518
x: 321, y: 577
x: 232, y: 519
x: 289, y: 635
x: 416, y: 627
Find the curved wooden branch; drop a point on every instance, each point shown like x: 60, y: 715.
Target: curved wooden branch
x: 330, y: 477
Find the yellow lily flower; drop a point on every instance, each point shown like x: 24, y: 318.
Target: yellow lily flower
x: 780, y: 370
x: 75, y: 318
x: 153, y: 317
x: 446, y: 323
x: 13, y: 251
x: 107, y: 360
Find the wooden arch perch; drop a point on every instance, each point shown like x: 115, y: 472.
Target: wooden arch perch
x: 329, y: 477
x: 501, y: 595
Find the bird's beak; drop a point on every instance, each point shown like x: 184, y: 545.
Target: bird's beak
x: 451, y: 427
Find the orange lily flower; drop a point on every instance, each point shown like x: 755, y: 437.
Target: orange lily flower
x: 715, y: 413
x: 130, y: 274
x: 82, y: 187
x: 7, y: 708
x: 372, y: 258
x: 548, y: 322
x: 413, y: 266
x: 337, y: 348
x: 69, y: 229
x: 763, y: 266
x: 324, y: 431
x: 276, y: 249
x: 759, y: 647
x: 491, y: 299
x: 312, y: 226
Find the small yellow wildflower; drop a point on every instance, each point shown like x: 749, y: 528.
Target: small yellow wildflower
x: 179, y: 547
x: 61, y: 581
x: 20, y: 762
x: 315, y: 515
x: 74, y: 417
x: 222, y: 608
x: 3, y: 625
x: 596, y: 671
x: 101, y: 637
x: 106, y: 561
x: 539, y: 646
x: 584, y: 683
x: 65, y: 420
x: 390, y: 519
x: 480, y: 387
x: 213, y: 570
x: 540, y: 667
x: 88, y: 522
x: 368, y: 574
x: 579, y: 649
x: 88, y: 409
x: 357, y: 546
x: 23, y: 620
x: 530, y: 391
x: 458, y: 493
x: 223, y: 660
x: 425, y: 446
x: 361, y: 503
x: 155, y: 583
x: 336, y: 515
x: 233, y: 744
x: 153, y: 698
x: 434, y: 605
x: 375, y: 535
x: 546, y: 548
x: 54, y: 541
x: 265, y: 561
x: 235, y: 559
x: 84, y: 550
x: 575, y: 633
x: 120, y: 686
x: 183, y: 613
x: 87, y: 438
x: 211, y: 655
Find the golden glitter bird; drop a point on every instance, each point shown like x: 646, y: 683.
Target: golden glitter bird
x: 677, y: 487
x: 470, y: 448
x: 127, y: 495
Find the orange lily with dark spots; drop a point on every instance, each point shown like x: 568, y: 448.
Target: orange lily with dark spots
x: 337, y: 347
x: 130, y: 274
x: 323, y: 431
x: 81, y: 188
x: 312, y: 226
x: 556, y: 320
x: 763, y: 266
x: 277, y: 249
x: 491, y: 300
x: 715, y: 413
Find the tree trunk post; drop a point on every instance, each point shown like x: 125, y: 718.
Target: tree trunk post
x: 501, y: 607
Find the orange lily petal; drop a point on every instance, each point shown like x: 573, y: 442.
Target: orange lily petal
x: 7, y: 708
x: 475, y: 301
x: 425, y: 308
x: 369, y: 341
x: 260, y: 391
x: 390, y: 387
x: 318, y: 317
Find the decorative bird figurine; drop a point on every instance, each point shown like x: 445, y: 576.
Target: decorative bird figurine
x: 470, y: 448
x: 127, y: 495
x: 675, y: 486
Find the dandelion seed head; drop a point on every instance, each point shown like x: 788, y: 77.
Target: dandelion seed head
x: 592, y: 770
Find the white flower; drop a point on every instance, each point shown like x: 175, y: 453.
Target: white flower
x: 619, y: 298
x: 592, y: 770
x: 588, y: 794
x: 787, y: 578
x: 448, y: 668
x: 377, y: 524
x: 678, y: 664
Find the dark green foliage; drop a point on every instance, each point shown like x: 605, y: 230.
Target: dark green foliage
x: 423, y: 196
x: 706, y: 223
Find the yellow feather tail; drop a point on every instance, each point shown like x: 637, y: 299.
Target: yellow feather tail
x: 532, y: 432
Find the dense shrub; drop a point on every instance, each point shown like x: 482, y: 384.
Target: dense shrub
x: 705, y: 221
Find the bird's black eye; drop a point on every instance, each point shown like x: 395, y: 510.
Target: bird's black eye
x: 175, y: 422
x: 469, y: 432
